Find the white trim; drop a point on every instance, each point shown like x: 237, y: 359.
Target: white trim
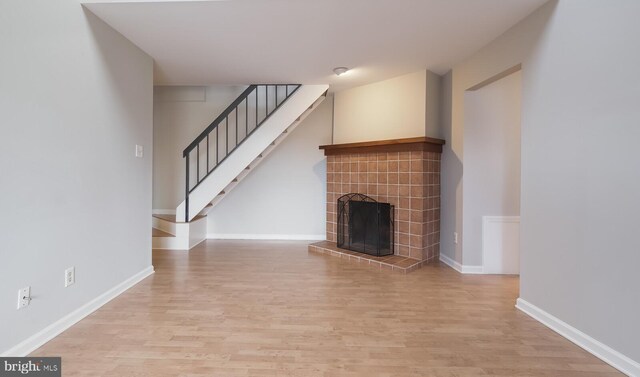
x: 486, y: 220
x: 458, y: 267
x: 292, y: 237
x: 43, y: 336
x: 163, y: 211
x: 605, y: 353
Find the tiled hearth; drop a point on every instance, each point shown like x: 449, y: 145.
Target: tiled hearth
x: 405, y: 173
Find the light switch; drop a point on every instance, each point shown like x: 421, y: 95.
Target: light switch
x: 139, y: 151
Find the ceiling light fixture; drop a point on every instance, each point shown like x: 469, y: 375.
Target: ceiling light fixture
x: 340, y: 70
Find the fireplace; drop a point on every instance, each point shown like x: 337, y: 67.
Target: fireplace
x: 365, y: 225
x: 402, y: 172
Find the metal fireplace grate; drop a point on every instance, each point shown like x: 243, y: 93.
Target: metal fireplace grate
x: 365, y: 225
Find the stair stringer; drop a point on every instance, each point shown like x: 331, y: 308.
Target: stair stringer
x: 250, y: 149
x: 263, y: 156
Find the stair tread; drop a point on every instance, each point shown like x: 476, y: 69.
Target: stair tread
x: 172, y: 218
x: 155, y: 232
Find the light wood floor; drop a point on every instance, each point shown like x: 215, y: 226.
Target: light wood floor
x: 238, y: 308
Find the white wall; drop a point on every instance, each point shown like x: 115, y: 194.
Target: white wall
x: 180, y: 114
x: 433, y: 109
x: 491, y: 159
x: 285, y: 195
x: 579, y: 202
x: 76, y: 98
x: 390, y: 109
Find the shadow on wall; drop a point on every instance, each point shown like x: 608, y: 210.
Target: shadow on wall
x: 116, y: 65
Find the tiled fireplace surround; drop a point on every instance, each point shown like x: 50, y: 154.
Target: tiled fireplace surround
x: 405, y: 173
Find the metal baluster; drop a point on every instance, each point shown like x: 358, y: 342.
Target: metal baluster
x: 246, y: 117
x: 236, y: 126
x: 266, y: 101
x: 207, y: 153
x: 257, y: 87
x: 186, y: 193
x: 226, y: 149
x: 217, y: 145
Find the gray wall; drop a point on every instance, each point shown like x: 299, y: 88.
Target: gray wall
x: 286, y: 194
x: 581, y: 171
x: 491, y: 159
x: 180, y: 114
x: 580, y: 175
x: 76, y: 98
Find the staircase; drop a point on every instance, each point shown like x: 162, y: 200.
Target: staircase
x: 228, y: 150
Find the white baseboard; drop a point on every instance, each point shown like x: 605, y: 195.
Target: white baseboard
x: 291, y: 237
x: 41, y: 337
x: 459, y: 267
x: 163, y: 211
x: 605, y: 353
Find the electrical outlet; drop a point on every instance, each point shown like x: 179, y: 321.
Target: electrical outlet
x: 24, y: 297
x: 69, y: 276
x: 455, y: 237
x: 139, y: 151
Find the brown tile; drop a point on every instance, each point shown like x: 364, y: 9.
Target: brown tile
x: 362, y: 167
x: 392, y: 166
x: 415, y: 241
x: 417, y: 204
x: 417, y: 191
x: 416, y: 166
x: 392, y: 178
x: 386, y: 267
x: 404, y: 203
x: 404, y: 190
x: 404, y: 227
x: 416, y: 228
x: 372, y: 166
x: 383, y: 190
x: 416, y: 216
x: 416, y: 253
x: 383, y: 166
x: 404, y: 178
x: 404, y: 155
x: 382, y: 178
x: 404, y: 166
x: 392, y: 190
x: 417, y: 178
x: 372, y: 177
x: 372, y: 190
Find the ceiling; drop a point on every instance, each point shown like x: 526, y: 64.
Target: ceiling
x: 301, y: 41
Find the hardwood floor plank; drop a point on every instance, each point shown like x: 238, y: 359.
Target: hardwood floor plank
x: 270, y: 308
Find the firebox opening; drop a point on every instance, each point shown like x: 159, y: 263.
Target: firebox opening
x: 365, y: 225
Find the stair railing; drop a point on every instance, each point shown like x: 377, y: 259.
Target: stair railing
x: 230, y: 129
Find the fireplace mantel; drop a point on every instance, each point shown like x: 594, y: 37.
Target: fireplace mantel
x: 425, y: 144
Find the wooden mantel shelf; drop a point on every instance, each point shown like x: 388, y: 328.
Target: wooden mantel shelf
x: 426, y: 144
